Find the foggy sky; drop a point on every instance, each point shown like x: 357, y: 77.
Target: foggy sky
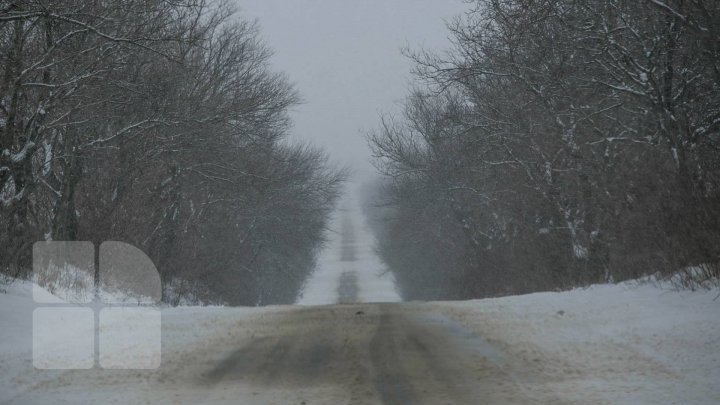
x: 344, y: 58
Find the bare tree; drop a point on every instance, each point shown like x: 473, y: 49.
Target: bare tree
x: 160, y: 124
x: 572, y: 142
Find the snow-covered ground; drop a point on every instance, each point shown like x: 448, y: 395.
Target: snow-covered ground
x: 375, y: 282
x: 184, y: 329
x: 618, y: 344
x: 608, y: 344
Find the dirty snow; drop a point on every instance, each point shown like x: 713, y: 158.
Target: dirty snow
x: 620, y: 344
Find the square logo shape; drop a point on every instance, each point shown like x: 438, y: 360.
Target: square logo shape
x: 65, y: 271
x: 130, y: 338
x: 63, y: 338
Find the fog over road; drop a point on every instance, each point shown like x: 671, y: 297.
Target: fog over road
x: 348, y: 269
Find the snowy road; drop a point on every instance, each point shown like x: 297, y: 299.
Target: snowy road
x: 513, y: 350
x: 367, y: 354
x: 348, y: 269
x: 609, y: 344
x: 338, y: 354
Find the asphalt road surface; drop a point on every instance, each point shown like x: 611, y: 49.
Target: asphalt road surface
x: 366, y: 354
x: 354, y: 353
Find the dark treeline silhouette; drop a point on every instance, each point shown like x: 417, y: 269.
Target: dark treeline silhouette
x: 160, y: 124
x: 557, y: 144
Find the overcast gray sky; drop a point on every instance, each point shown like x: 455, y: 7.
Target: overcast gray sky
x: 344, y: 58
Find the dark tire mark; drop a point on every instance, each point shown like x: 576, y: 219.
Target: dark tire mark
x: 389, y: 354
x: 390, y: 381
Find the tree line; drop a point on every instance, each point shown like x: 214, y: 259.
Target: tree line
x: 158, y: 123
x: 555, y: 144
